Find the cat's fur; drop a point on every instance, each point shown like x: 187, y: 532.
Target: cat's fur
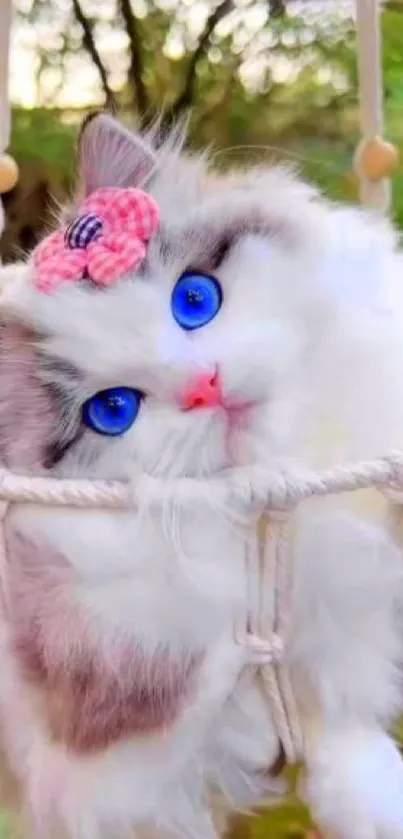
x: 124, y: 702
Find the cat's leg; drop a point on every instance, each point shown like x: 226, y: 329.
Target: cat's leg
x: 345, y: 654
x: 244, y: 753
x: 58, y: 790
x: 354, y: 784
x: 216, y: 681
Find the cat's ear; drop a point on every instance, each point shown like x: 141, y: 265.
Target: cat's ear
x: 111, y: 155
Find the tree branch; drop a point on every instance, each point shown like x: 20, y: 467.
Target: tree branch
x: 185, y: 98
x: 135, y: 69
x: 91, y: 47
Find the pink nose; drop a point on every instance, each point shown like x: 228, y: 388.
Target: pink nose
x: 203, y: 392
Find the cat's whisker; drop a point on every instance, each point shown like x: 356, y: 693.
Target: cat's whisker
x: 163, y: 461
x: 144, y: 508
x: 278, y: 150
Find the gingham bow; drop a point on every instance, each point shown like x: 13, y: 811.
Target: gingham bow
x: 106, y: 240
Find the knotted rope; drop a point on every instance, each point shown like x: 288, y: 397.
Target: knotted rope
x: 273, y: 499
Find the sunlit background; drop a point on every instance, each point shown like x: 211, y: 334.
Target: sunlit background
x: 48, y: 67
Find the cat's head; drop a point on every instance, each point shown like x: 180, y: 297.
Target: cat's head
x: 214, y: 339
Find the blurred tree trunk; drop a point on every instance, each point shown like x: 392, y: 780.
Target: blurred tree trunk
x: 91, y: 47
x: 185, y: 98
x: 140, y: 98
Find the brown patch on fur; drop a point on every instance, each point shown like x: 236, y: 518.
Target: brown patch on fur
x: 95, y: 686
x: 93, y: 706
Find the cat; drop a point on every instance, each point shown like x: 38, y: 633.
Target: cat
x: 126, y: 707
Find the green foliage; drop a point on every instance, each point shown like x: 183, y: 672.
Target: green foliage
x: 289, y: 821
x: 42, y: 136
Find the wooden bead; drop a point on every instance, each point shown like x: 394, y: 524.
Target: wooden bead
x: 8, y: 173
x: 376, y: 159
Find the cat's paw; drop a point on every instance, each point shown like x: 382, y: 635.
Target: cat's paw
x: 257, y: 486
x: 354, y: 785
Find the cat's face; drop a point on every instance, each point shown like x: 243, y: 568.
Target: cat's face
x: 259, y: 240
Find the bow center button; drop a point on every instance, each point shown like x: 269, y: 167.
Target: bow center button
x: 83, y: 230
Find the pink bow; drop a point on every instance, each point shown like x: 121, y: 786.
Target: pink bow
x: 104, y: 242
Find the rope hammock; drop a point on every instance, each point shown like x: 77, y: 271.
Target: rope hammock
x: 268, y: 561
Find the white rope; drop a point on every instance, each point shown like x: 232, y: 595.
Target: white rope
x: 374, y: 193
x: 245, y: 487
x: 273, y: 623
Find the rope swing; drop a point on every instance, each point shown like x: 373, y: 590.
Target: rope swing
x: 375, y: 158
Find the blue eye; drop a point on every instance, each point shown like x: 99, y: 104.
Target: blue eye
x: 112, y: 412
x: 196, y: 299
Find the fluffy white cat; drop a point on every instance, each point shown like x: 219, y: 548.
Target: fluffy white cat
x: 125, y: 703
